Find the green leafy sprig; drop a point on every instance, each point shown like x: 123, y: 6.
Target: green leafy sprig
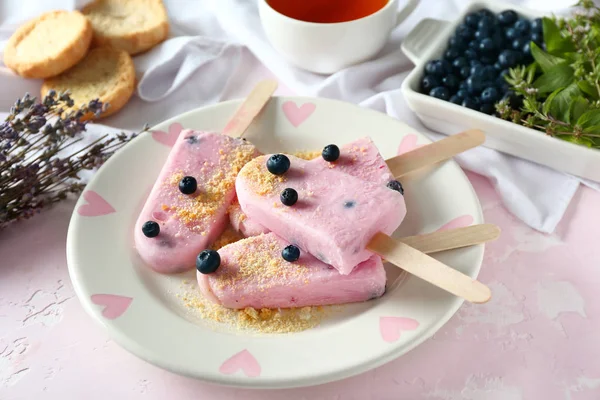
x: 561, y: 88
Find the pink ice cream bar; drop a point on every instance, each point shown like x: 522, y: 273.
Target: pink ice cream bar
x: 186, y: 209
x: 242, y: 224
x: 253, y: 273
x: 335, y: 215
x: 359, y: 158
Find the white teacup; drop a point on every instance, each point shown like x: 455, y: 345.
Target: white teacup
x: 326, y: 48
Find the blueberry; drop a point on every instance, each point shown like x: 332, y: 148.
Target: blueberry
x: 440, y: 92
x: 487, y: 22
x: 489, y: 95
x: 438, y: 68
x: 526, y: 50
x: 507, y: 17
x: 497, y: 66
x: 473, y: 63
x: 331, y: 153
x: 451, y: 82
x: 508, y: 58
x: 457, y: 43
x: 463, y: 86
x: 477, y: 69
x: 483, y: 33
x: 486, y: 45
x: 192, y: 139
x: 465, y: 71
x: 464, y: 32
x: 472, y: 19
x: 489, y: 73
x: 278, y: 164
x: 291, y: 253
x: 288, y: 197
x: 514, y: 101
x: 500, y: 80
x: 460, y: 62
x: 474, y: 44
x: 429, y: 82
x: 462, y: 93
x: 537, y: 25
x: 498, y: 38
x: 503, y: 87
x: 487, y: 59
x: 208, y: 261
x: 471, y: 103
x: 443, y: 68
x: 395, y: 185
x: 188, y: 185
x: 471, y: 54
x: 522, y: 26
x: 456, y: 100
x: 487, y: 108
x: 511, y: 34
x: 475, y: 84
x: 451, y: 54
x: 484, y: 12
x: 429, y: 67
x: 150, y: 229
x: 518, y: 43
x: 538, y: 38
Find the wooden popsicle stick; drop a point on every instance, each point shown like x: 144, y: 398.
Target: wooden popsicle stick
x: 249, y: 109
x: 429, y: 269
x: 435, y: 152
x: 453, y: 238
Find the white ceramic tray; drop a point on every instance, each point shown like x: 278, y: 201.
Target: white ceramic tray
x: 428, y: 41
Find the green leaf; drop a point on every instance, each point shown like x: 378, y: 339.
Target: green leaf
x: 561, y: 102
x: 549, y: 100
x: 589, y: 89
x: 556, y: 44
x: 578, y: 107
x: 590, y: 121
x: 577, y: 140
x: 558, y: 76
x: 545, y: 60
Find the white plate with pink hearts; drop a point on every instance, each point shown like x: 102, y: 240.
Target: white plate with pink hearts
x: 140, y: 309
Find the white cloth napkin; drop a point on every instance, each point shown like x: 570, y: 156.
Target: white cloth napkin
x: 215, y: 46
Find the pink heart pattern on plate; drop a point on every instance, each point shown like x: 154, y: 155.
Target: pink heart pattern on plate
x: 458, y: 222
x: 96, y: 205
x: 168, y: 138
x: 392, y: 327
x: 297, y: 115
x: 408, y: 143
x: 244, y: 361
x: 114, y: 305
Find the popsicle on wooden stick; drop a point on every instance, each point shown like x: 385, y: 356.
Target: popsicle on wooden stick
x: 254, y: 272
x: 361, y: 158
x: 186, y: 209
x: 334, y: 216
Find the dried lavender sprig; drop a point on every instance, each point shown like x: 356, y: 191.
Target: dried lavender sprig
x: 32, y: 174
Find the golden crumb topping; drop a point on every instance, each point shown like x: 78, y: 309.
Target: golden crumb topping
x: 257, y: 175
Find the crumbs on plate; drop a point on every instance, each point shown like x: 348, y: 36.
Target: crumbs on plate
x: 265, y: 320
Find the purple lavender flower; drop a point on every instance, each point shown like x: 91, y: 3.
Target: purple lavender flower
x: 31, y: 171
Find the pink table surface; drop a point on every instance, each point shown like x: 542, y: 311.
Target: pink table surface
x: 537, y: 338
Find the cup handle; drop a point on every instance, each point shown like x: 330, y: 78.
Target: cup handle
x: 418, y: 40
x: 406, y: 11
